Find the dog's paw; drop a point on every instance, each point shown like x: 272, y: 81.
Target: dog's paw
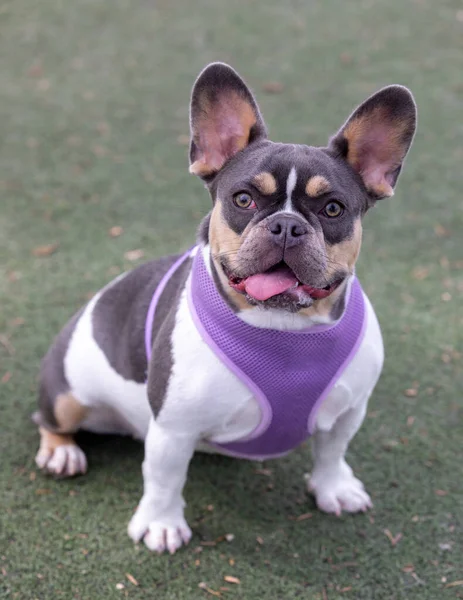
x: 159, y: 535
x: 338, y: 490
x: 63, y: 461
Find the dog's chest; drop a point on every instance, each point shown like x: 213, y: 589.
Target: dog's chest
x: 202, y: 393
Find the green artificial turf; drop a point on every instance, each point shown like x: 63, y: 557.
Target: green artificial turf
x: 93, y: 119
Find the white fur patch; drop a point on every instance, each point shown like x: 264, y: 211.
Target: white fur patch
x: 119, y: 405
x: 290, y: 185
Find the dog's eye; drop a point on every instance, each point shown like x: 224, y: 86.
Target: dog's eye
x: 333, y: 209
x: 243, y: 200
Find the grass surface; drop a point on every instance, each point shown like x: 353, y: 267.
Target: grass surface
x: 93, y: 104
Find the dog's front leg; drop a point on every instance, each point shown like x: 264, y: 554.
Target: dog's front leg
x: 159, y: 517
x: 332, y: 482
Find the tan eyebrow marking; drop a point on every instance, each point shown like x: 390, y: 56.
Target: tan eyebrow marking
x: 265, y: 183
x: 317, y: 185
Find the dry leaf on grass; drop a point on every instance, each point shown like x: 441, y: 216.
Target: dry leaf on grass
x: 408, y: 568
x: 103, y: 128
x: 115, y: 231
x: 390, y: 444
x: 346, y: 58
x: 131, y: 578
x: 231, y: 579
x: 36, y: 70
x: 420, y: 273
x: 273, y: 87
x: 454, y: 583
x: 6, y: 378
x: 267, y: 472
x: 440, y: 492
x: 303, y: 517
x: 5, y: 342
x: 18, y: 321
x: 411, y: 393
x: 259, y: 540
x: 394, y: 539
x: 204, y: 586
x: 43, y: 85
x: 134, y: 255
x: 45, y: 250
x: 441, y: 231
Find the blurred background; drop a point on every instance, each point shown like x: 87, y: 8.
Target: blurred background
x: 94, y: 180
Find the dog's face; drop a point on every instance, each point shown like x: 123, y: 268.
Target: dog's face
x: 285, y: 229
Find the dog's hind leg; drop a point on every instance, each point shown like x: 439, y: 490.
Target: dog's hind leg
x: 58, y: 454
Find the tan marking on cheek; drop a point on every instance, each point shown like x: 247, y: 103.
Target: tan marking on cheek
x: 344, y: 255
x: 265, y: 183
x: 224, y: 241
x: 340, y: 256
x: 317, y: 185
x: 69, y: 413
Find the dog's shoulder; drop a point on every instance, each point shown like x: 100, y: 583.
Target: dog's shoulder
x: 119, y: 315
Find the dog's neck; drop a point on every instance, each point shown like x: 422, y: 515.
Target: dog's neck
x: 323, y: 312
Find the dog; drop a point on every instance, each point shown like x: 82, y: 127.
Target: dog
x: 255, y: 339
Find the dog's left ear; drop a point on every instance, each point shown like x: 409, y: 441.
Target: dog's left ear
x: 376, y: 138
x: 224, y: 119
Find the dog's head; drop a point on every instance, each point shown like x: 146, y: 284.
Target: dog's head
x: 285, y: 228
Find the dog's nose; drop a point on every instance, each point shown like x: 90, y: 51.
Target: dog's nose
x: 287, y: 231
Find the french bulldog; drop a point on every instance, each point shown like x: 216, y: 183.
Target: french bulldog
x: 255, y: 339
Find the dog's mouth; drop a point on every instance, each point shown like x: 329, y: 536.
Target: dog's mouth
x: 277, y: 280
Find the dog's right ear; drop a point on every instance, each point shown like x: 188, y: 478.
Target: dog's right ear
x: 224, y: 119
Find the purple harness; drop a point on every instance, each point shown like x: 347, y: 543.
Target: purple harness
x: 289, y: 372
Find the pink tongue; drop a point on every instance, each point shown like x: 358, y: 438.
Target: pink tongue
x: 265, y: 285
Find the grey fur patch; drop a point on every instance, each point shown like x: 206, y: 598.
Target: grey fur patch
x: 119, y: 325
x: 119, y: 316
x: 337, y: 310
x: 53, y: 381
x: 160, y: 368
